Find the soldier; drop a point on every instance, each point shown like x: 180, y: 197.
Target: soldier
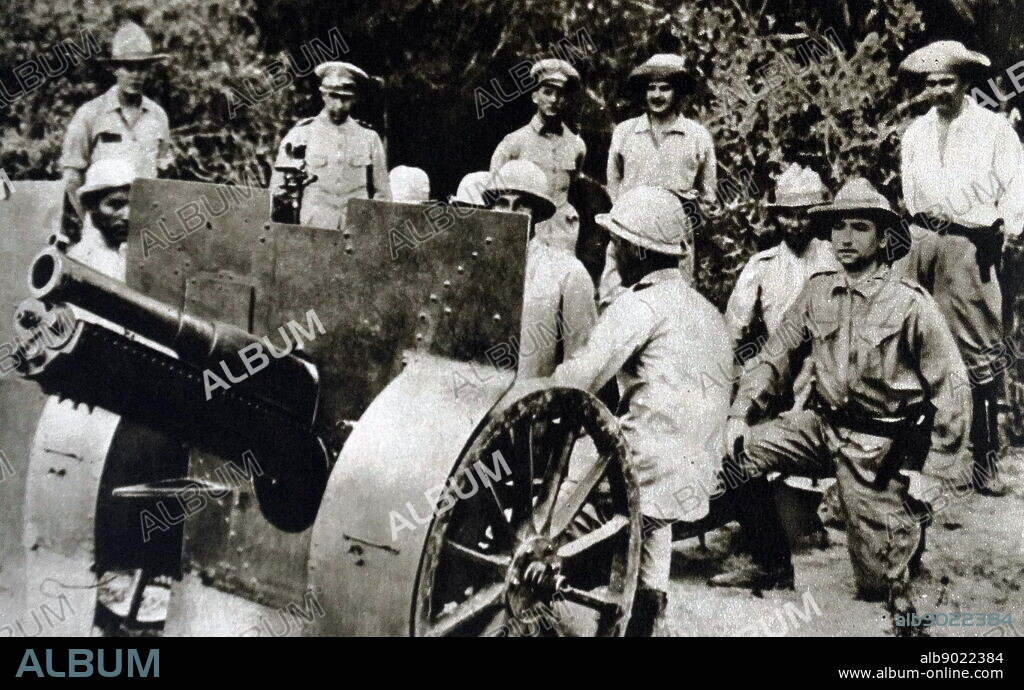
x: 962, y: 169
x: 884, y: 364
x: 772, y: 279
x: 659, y: 338
x: 558, y: 299
x: 409, y: 185
x: 105, y: 199
x: 661, y: 148
x: 548, y: 142
x: 346, y: 158
x: 122, y: 123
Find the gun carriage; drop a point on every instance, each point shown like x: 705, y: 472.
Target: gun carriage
x: 391, y: 492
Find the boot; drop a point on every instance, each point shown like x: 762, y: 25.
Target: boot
x: 756, y: 577
x: 771, y: 554
x: 648, y: 612
x: 987, y: 479
x: 901, y: 603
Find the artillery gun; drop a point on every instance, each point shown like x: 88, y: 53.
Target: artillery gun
x: 395, y: 490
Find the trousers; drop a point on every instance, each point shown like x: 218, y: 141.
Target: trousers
x: 883, y: 531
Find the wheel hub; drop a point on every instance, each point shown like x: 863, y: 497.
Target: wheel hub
x: 533, y: 576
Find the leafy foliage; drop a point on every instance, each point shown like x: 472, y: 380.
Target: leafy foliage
x: 811, y: 81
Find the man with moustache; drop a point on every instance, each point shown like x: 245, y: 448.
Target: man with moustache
x: 346, y: 158
x: 962, y: 170
x: 661, y: 148
x: 885, y: 363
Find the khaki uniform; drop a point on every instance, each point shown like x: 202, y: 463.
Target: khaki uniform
x: 346, y: 159
x: 880, y: 351
x: 559, y: 153
x: 558, y: 309
x: 660, y: 339
x: 100, y: 130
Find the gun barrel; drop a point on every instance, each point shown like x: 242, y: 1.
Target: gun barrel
x: 290, y: 383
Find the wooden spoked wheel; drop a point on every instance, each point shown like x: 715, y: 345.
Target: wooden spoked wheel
x: 537, y: 531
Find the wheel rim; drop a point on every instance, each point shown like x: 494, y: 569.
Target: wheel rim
x: 538, y: 530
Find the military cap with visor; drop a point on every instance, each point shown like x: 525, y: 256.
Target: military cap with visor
x: 555, y: 72
x: 341, y: 78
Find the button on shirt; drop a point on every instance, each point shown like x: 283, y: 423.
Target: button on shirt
x: 682, y: 161
x: 661, y: 339
x: 99, y: 129
x: 774, y: 278
x: 558, y: 152
x: 343, y: 157
x: 878, y: 346
x: 558, y: 309
x: 977, y: 180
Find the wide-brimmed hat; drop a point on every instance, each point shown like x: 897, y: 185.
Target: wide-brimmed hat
x: 410, y: 185
x: 649, y: 217
x: 523, y: 177
x: 471, y: 190
x: 556, y: 73
x: 944, y: 56
x: 859, y: 198
x: 342, y: 78
x: 131, y: 43
x: 105, y: 174
x: 799, y: 187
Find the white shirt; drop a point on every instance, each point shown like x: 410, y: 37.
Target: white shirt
x: 980, y: 177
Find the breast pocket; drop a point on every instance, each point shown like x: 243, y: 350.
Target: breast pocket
x: 354, y: 171
x: 877, y: 348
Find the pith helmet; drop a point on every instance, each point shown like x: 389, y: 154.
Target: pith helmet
x: 525, y: 178
x: 104, y: 174
x: 798, y: 187
x: 132, y: 44
x: 859, y: 198
x: 649, y: 217
x: 556, y: 73
x: 944, y: 56
x: 411, y: 185
x: 471, y: 190
x: 340, y: 77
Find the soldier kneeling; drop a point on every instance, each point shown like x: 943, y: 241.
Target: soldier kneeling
x: 885, y: 365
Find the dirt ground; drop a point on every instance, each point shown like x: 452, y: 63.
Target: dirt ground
x: 974, y: 564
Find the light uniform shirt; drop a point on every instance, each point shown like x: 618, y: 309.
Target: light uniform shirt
x: 559, y: 153
x: 878, y: 346
x: 979, y: 178
x: 344, y: 158
x: 558, y: 309
x: 682, y: 161
x: 661, y: 338
x: 100, y: 130
x: 774, y: 278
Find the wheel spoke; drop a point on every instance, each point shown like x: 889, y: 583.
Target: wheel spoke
x: 499, y: 562
x: 522, y: 472
x: 591, y: 539
x: 592, y: 599
x: 566, y: 511
x: 497, y: 518
x: 471, y: 609
x: 554, y: 474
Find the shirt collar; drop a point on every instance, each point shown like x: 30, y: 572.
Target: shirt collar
x: 537, y: 123
x: 643, y: 124
x: 660, y: 276
x: 968, y: 111
x: 865, y: 285
x: 111, y: 104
